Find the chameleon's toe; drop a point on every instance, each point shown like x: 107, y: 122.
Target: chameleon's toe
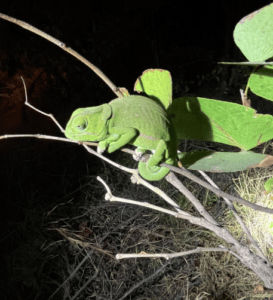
x: 102, y: 146
x: 137, y: 155
x: 152, y: 173
x: 100, y: 150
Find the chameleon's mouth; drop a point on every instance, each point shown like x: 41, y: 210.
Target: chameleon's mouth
x: 69, y: 134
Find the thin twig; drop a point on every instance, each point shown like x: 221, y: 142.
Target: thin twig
x: 65, y: 48
x: 87, y: 282
x: 39, y: 136
x: 109, y: 197
x: 245, y: 101
x: 152, y: 188
x: 216, y: 191
x: 156, y: 273
x: 171, y: 255
x: 84, y: 144
x: 38, y: 110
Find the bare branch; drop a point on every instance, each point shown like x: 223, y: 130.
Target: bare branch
x: 216, y: 191
x: 84, y: 144
x: 41, y: 112
x: 200, y: 208
x: 39, y: 136
x: 170, y: 255
x: 222, y: 232
x: 65, y: 48
x: 109, y: 196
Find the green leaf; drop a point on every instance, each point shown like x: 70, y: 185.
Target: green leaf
x: 224, y: 161
x: 220, y: 121
x: 157, y: 84
x: 261, y: 82
x: 269, y: 185
x: 254, y: 34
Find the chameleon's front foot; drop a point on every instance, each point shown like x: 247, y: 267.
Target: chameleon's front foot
x: 102, y: 147
x: 138, y: 154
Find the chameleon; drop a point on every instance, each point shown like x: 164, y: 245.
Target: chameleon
x: 136, y: 120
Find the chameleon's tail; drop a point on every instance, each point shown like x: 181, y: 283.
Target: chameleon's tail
x: 153, y: 173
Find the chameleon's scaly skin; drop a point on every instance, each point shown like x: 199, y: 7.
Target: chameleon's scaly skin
x: 135, y: 120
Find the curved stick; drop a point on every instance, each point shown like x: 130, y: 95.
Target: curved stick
x: 65, y: 48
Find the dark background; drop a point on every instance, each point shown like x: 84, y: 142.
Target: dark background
x: 122, y: 38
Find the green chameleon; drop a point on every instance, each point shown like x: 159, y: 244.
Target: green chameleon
x: 135, y: 120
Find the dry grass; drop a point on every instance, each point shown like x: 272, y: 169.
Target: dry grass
x: 250, y: 185
x: 206, y: 276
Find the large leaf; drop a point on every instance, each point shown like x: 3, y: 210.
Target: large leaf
x: 224, y: 161
x: 220, y: 121
x: 261, y: 82
x: 254, y: 34
x: 157, y: 84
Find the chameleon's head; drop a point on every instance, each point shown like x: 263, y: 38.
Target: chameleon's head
x: 89, y: 124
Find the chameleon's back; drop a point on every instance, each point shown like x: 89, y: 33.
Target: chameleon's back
x: 143, y: 114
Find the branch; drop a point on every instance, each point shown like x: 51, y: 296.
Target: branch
x: 65, y: 48
x: 109, y: 197
x: 216, y: 191
x: 179, y: 185
x: 238, y: 218
x: 84, y: 144
x: 38, y: 110
x: 258, y: 265
x: 172, y: 255
x: 217, y: 229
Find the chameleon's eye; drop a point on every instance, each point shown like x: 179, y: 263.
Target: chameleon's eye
x: 80, y: 123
